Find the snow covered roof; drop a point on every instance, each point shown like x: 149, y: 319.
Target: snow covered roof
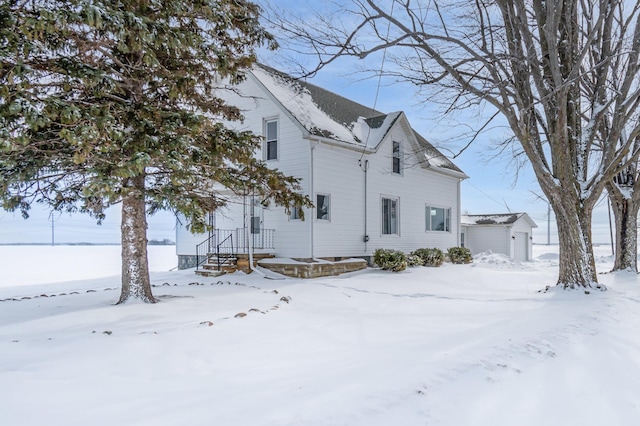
x: 325, y: 114
x: 495, y: 219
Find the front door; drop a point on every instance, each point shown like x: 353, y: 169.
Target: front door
x: 521, y: 245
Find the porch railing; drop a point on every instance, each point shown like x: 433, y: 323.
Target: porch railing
x: 260, y: 240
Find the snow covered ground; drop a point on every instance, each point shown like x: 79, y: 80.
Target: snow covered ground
x: 457, y: 345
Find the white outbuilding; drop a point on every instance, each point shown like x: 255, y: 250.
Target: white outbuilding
x: 507, y: 233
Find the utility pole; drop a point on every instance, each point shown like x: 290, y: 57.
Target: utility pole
x: 53, y: 230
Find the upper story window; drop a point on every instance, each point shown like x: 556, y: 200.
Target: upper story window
x: 271, y: 139
x: 323, y: 206
x: 438, y: 219
x: 396, y: 160
x: 390, y: 216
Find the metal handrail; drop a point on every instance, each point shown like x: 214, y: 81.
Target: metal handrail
x: 203, y: 257
x: 225, y: 256
x: 261, y: 240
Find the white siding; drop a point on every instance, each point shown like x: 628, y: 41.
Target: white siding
x: 336, y: 171
x: 496, y: 239
x: 186, y: 241
x: 228, y: 217
x: 292, y: 237
x: 501, y: 239
x: 340, y: 172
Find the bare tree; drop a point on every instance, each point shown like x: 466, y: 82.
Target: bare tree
x: 624, y: 195
x: 564, y: 75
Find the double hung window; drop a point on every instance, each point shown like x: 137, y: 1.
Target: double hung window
x: 390, y: 216
x: 271, y: 139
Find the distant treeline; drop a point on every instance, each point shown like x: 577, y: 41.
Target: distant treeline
x: 165, y: 242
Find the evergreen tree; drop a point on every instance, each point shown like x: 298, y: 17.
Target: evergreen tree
x: 119, y: 102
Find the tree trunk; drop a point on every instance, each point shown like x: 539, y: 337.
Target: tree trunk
x: 577, y: 262
x: 625, y: 212
x: 135, y: 266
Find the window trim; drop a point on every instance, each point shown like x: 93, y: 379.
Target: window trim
x: 294, y: 214
x: 427, y: 218
x: 268, y: 141
x: 396, y: 200
x: 395, y: 157
x: 327, y: 196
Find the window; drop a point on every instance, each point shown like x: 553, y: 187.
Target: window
x: 438, y: 219
x: 271, y: 140
x: 255, y: 224
x: 396, y: 157
x: 296, y: 213
x: 323, y: 205
x: 389, y: 216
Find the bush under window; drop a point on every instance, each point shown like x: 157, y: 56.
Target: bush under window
x: 390, y: 260
x: 459, y: 255
x: 430, y: 256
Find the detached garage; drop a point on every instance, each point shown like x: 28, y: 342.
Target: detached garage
x: 508, y: 233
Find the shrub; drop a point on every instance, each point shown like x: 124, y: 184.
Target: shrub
x: 391, y: 260
x: 459, y: 255
x: 430, y: 256
x: 414, y: 260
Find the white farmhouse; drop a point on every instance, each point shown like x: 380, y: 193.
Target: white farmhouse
x: 506, y: 233
x: 375, y: 182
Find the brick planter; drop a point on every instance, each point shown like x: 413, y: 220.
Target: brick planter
x: 322, y: 268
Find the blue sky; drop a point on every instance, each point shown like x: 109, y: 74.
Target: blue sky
x: 492, y: 186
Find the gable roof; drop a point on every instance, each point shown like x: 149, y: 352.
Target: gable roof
x: 501, y: 219
x: 327, y: 115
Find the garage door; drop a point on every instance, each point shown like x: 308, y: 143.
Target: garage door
x: 521, y: 246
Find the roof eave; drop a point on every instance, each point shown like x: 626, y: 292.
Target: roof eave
x: 335, y: 142
x: 274, y: 99
x: 493, y: 225
x: 453, y: 173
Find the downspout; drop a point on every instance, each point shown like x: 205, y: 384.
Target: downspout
x: 244, y: 222
x: 365, y: 238
x: 250, y: 247
x: 311, y: 192
x: 459, y: 217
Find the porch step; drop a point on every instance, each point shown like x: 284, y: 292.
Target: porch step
x: 240, y: 261
x: 214, y: 268
x: 212, y: 262
x: 209, y: 273
x: 223, y: 267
